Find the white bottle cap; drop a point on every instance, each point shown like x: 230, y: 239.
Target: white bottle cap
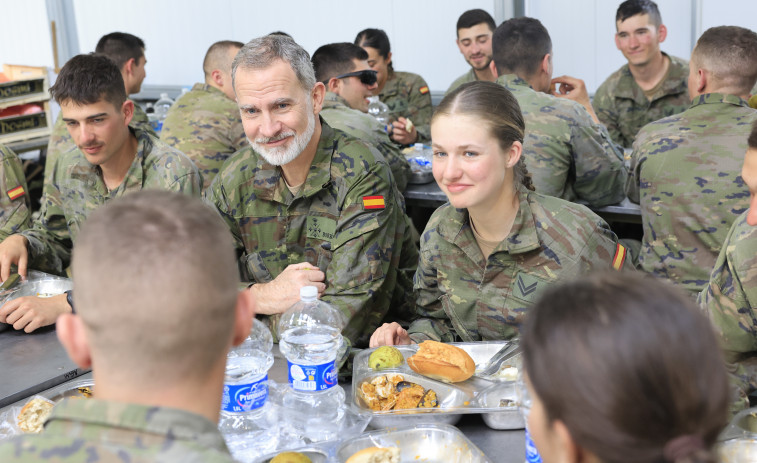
x: 308, y: 292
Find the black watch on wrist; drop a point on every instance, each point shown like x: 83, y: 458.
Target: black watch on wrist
x: 70, y: 299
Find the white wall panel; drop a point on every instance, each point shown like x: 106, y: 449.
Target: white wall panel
x: 25, y: 33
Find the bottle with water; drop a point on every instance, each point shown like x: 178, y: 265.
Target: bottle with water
x: 310, y: 338
x: 246, y: 420
x: 161, y: 110
x: 379, y: 110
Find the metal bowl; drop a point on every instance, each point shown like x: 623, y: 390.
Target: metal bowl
x: 501, y: 417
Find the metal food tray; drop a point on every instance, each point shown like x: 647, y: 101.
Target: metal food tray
x: 421, y: 177
x: 432, y: 443
x: 474, y: 395
x: 69, y: 389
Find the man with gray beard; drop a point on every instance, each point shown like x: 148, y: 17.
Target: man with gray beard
x: 309, y: 205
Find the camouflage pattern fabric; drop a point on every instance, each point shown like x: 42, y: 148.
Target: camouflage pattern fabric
x: 77, y: 188
x: 205, y: 125
x: 730, y: 300
x: 15, y: 206
x: 95, y: 430
x: 568, y: 155
x: 365, y: 127
x: 623, y: 107
x: 461, y: 296
x: 469, y: 76
x: 61, y: 142
x: 685, y: 174
x: 407, y: 95
x: 348, y: 220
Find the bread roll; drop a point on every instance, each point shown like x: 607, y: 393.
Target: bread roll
x: 443, y: 362
x: 376, y: 455
x: 33, y: 415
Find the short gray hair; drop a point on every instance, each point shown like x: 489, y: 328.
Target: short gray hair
x: 262, y: 52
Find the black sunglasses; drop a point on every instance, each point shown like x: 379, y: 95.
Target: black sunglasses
x: 367, y: 76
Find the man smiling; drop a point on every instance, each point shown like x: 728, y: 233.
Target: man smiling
x: 474, y: 39
x: 111, y: 159
x: 652, y: 85
x: 309, y: 205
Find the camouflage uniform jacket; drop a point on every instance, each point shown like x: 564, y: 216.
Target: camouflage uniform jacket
x: 205, y: 125
x: 337, y: 113
x: 469, y: 76
x: 461, y: 296
x: 730, y: 300
x: 95, y: 430
x: 348, y: 220
x: 77, y: 188
x: 61, y: 142
x: 407, y: 95
x: 15, y: 206
x: 567, y: 153
x: 685, y: 174
x: 623, y: 107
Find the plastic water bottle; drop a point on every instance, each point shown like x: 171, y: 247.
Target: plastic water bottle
x: 161, y: 110
x: 245, y: 411
x: 379, y: 110
x: 310, y: 338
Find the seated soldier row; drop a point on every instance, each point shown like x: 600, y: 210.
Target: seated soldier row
x: 308, y: 203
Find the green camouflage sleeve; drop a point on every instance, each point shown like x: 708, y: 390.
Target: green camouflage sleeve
x: 604, y: 106
x: 365, y: 254
x: 730, y: 301
x: 397, y: 163
x: 600, y: 172
x: 15, y: 206
x: 419, y: 103
x: 634, y: 176
x: 49, y: 238
x: 432, y: 322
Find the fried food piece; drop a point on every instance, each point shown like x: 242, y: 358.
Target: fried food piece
x: 409, y: 397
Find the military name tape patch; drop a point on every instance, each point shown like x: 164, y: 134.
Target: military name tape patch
x: 16, y: 192
x: 373, y: 202
x: 620, y: 257
x: 423, y: 90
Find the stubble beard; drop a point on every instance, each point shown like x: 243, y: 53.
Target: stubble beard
x: 282, y: 155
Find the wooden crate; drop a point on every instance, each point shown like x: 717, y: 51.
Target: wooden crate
x: 28, y: 84
x: 17, y: 128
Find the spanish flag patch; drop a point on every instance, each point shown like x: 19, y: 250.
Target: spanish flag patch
x: 373, y: 202
x: 620, y: 257
x: 16, y: 192
x: 423, y: 89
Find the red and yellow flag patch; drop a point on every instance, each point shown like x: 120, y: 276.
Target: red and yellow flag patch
x: 423, y: 89
x: 373, y: 202
x: 620, y: 257
x: 16, y: 192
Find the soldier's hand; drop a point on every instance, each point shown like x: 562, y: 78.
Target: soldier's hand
x: 389, y: 334
x: 13, y: 252
x: 401, y: 135
x: 278, y: 295
x: 574, y: 89
x: 30, y: 312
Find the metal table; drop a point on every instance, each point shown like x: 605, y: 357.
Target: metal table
x: 429, y: 195
x: 33, y: 363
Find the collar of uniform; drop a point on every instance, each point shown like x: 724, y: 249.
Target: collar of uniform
x: 512, y: 80
x: 676, y: 82
x: 332, y: 100
x: 135, y: 174
x: 522, y: 236
x: 714, y: 98
x: 203, y: 87
x: 269, y: 184
x: 179, y: 424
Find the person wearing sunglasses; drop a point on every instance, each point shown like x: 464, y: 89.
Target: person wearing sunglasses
x: 343, y: 69
x: 622, y: 368
x: 406, y: 94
